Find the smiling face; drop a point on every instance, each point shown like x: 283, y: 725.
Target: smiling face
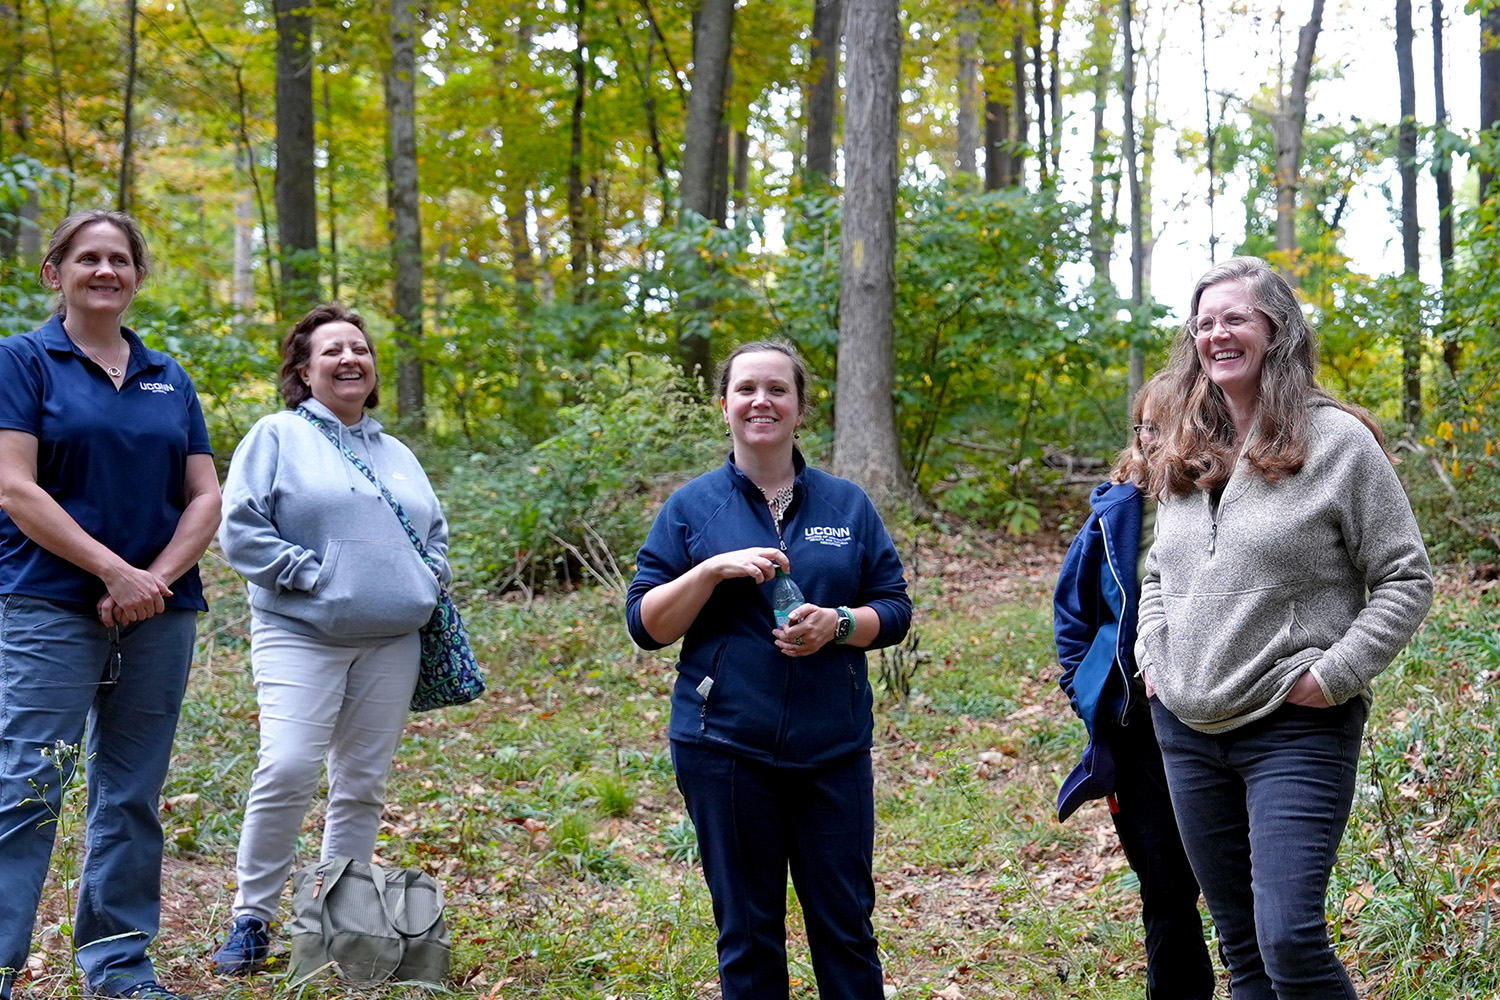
x: 760, y: 403
x: 97, y: 274
x: 1232, y: 337
x: 340, y: 369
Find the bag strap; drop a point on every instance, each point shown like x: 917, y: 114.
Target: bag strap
x: 381, y: 882
x: 359, y: 464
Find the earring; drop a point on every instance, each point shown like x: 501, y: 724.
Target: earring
x: 727, y: 432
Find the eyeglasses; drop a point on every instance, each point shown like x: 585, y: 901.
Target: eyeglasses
x: 1146, y: 428
x: 1232, y: 321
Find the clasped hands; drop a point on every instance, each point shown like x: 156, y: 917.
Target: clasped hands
x: 133, y: 596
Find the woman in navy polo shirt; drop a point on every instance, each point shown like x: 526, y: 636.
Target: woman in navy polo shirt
x: 109, y: 498
x: 771, y: 727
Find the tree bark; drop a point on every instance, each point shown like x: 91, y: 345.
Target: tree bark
x: 1210, y: 133
x: 1039, y: 89
x: 124, y: 199
x: 1406, y: 155
x: 1054, y: 88
x: 968, y: 90
x: 823, y: 93
x: 296, y: 193
x: 1442, y: 171
x: 1287, y: 126
x: 404, y: 197
x: 1137, y: 371
x: 999, y: 161
x: 741, y: 148
x: 711, y: 37
x: 1102, y: 53
x: 330, y: 160
x: 1023, y: 122
x: 578, y: 222
x: 866, y: 446
x: 1489, y: 86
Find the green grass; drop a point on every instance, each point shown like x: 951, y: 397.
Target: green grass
x: 549, y: 811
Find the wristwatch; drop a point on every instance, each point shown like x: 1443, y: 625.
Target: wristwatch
x: 845, y: 627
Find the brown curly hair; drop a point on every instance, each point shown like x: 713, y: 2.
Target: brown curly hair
x: 296, y: 352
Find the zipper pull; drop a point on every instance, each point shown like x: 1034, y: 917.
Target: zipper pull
x: 1213, y: 536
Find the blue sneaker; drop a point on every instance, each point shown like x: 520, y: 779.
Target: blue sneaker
x: 148, y: 990
x: 246, y: 950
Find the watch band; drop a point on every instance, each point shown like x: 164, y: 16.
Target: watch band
x: 845, y: 627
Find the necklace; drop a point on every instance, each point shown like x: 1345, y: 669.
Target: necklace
x: 113, y: 371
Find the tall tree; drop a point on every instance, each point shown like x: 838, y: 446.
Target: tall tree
x: 296, y: 191
x: 403, y: 195
x: 578, y: 215
x: 1288, y: 122
x: 865, y: 444
x: 1406, y: 156
x: 823, y: 91
x: 124, y: 199
x: 1442, y: 172
x: 1102, y: 56
x: 1489, y: 86
x: 968, y: 88
x: 711, y: 37
x: 1210, y: 133
x: 1137, y: 375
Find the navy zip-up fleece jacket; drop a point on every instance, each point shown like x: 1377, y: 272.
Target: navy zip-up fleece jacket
x: 1094, y: 610
x: 785, y: 711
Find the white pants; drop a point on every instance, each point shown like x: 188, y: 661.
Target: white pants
x: 347, y: 704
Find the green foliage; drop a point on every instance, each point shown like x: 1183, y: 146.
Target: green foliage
x: 576, y: 504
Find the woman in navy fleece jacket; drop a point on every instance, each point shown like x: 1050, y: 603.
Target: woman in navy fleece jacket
x: 771, y: 727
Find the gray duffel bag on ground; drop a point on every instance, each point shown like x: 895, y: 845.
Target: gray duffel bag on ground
x: 366, y: 923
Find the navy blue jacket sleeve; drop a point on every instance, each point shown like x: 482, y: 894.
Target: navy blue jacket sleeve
x: 1076, y: 604
x: 662, y: 559
x: 882, y: 585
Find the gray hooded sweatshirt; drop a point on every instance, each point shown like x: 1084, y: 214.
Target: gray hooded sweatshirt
x: 323, y: 553
x: 1323, y: 571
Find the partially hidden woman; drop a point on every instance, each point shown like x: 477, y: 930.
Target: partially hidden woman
x: 1094, y: 619
x: 109, y: 499
x: 338, y: 592
x: 1288, y: 571
x: 771, y: 727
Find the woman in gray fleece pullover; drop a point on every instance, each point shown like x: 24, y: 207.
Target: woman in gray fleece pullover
x: 1287, y: 572
x: 337, y: 595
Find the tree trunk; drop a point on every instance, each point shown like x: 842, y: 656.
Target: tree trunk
x: 1102, y: 53
x: 999, y: 163
x: 62, y: 108
x: 403, y: 195
x: 1210, y: 133
x: 330, y: 159
x: 1023, y: 122
x: 1406, y: 155
x: 1054, y: 88
x: 1489, y: 86
x: 1442, y: 171
x: 968, y: 90
x: 124, y: 200
x: 741, y: 146
x: 578, y: 223
x: 866, y: 447
x: 719, y: 205
x: 244, y: 241
x: 711, y: 37
x: 823, y: 92
x: 296, y: 194
x: 1287, y: 125
x: 523, y: 262
x: 1039, y: 89
x: 1137, y: 371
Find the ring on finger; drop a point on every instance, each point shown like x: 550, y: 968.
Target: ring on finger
x: 798, y: 640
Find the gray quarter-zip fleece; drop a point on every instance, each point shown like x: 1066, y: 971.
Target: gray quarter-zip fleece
x: 323, y: 553
x: 1323, y: 571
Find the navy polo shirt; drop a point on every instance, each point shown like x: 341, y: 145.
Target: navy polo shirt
x: 115, y: 460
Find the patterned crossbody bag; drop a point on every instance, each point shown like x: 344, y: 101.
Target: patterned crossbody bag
x: 449, y: 673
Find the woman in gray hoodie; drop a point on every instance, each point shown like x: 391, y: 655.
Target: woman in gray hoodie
x: 337, y: 595
x: 1287, y: 572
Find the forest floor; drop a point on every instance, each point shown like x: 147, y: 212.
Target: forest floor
x: 549, y: 811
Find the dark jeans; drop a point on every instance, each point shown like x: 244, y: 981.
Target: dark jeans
x: 1177, y: 963
x: 1262, y: 809
x: 757, y: 822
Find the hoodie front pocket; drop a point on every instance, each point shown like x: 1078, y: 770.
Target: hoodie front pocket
x: 370, y: 588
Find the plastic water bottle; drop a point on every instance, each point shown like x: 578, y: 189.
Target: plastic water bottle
x: 786, y: 596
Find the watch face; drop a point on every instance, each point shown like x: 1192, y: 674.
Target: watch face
x: 846, y: 625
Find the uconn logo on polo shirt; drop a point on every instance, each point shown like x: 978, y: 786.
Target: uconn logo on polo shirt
x: 158, y: 387
x: 837, y: 537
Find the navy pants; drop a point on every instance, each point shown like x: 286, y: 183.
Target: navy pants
x: 56, y: 674
x: 1262, y: 809
x: 1178, y: 966
x: 755, y: 824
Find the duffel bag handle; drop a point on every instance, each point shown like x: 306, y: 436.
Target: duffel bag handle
x: 405, y: 884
